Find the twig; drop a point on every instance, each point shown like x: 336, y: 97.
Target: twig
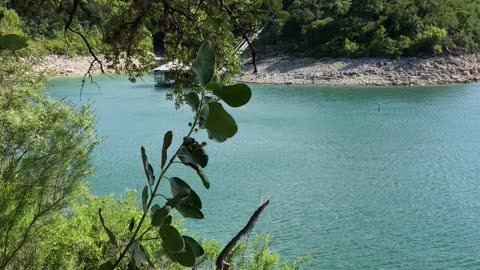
x: 242, y: 32
x: 221, y: 263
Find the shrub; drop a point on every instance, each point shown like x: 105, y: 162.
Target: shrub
x: 44, y: 155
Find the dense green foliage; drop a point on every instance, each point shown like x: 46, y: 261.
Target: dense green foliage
x: 48, y: 221
x: 377, y: 27
x: 354, y: 28
x: 45, y: 148
x: 75, y: 239
x: 48, y: 218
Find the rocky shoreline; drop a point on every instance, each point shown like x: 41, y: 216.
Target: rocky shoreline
x: 60, y: 65
x: 366, y: 71
x: 322, y: 72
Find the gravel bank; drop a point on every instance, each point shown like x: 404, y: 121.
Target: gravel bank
x: 59, y: 65
x: 331, y: 72
x: 367, y: 71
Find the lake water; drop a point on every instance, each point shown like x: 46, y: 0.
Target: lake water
x: 361, y: 189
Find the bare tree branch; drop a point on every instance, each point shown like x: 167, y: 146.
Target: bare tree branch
x: 242, y: 32
x: 221, y: 263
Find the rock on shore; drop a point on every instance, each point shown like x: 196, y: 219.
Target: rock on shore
x: 366, y: 71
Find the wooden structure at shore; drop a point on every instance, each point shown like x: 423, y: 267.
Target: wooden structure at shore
x: 163, y: 74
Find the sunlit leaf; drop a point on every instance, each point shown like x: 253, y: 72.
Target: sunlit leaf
x: 220, y: 124
x: 204, y: 63
x: 234, y: 95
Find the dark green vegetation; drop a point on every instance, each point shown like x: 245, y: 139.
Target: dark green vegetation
x: 318, y: 28
x: 390, y: 28
x: 48, y: 220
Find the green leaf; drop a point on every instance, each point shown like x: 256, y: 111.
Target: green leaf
x: 202, y: 119
x: 167, y: 220
x: 191, y: 152
x: 110, y: 234
x: 159, y: 214
x: 189, y: 211
x: 106, y: 266
x: 259, y: 4
x: 131, y: 225
x: 185, y: 257
x: 186, y: 201
x: 13, y: 42
x: 145, y: 199
x: 275, y: 5
x: 220, y: 124
x: 147, y: 167
x: 201, y: 174
x: 213, y: 86
x: 197, y: 248
x: 282, y: 14
x: 167, y: 141
x: 193, y: 100
x: 172, y: 240
x: 180, y: 187
x: 204, y: 63
x: 234, y: 95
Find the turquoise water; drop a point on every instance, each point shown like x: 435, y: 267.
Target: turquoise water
x: 361, y: 189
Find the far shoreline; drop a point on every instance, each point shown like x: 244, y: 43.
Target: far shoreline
x: 408, y: 71
x: 329, y: 72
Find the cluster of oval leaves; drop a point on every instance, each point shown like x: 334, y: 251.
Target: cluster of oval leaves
x: 220, y: 125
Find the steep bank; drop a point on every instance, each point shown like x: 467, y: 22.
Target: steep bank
x: 366, y: 71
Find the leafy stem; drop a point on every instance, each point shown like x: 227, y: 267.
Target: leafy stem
x: 220, y: 126
x: 134, y: 238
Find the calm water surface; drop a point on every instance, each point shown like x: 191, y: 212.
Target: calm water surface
x: 361, y: 189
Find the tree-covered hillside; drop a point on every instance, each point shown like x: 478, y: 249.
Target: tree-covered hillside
x: 318, y: 28
x: 390, y: 28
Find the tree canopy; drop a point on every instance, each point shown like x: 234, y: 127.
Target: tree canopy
x: 378, y: 27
